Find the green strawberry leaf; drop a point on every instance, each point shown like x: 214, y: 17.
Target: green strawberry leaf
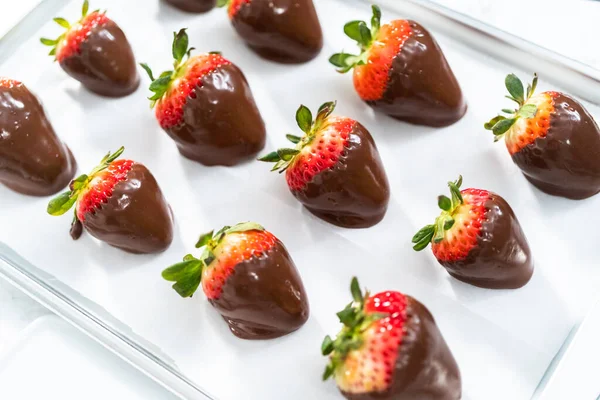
x: 375, y: 20
x: 148, y: 70
x: 180, y: 270
x: 62, y: 22
x: 444, y: 203
x: 204, y: 239
x: 292, y: 138
x: 352, y: 30
x: 502, y: 126
x: 304, y: 118
x: 355, y: 290
x: 327, y: 346
x: 61, y: 203
x: 48, y: 42
x: 287, y: 154
x: 422, y: 238
x: 245, y: 226
x: 324, y: 111
x: 271, y: 157
x: 527, y: 111
x: 180, y: 45
x: 490, y: 124
x: 515, y: 88
x: 85, y: 8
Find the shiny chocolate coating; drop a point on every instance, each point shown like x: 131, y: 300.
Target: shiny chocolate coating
x: 285, y: 31
x: 136, y: 218
x: 33, y: 160
x: 193, y: 6
x: 355, y: 192
x: 264, y: 297
x: 422, y: 88
x: 105, y: 63
x: 501, y: 259
x: 567, y: 161
x: 425, y: 368
x: 221, y: 123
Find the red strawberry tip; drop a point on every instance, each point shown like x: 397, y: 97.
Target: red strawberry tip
x: 500, y: 124
x: 65, y: 201
x: 435, y: 232
x: 187, y: 274
x: 355, y: 321
x: 364, y: 36
x: 283, y: 157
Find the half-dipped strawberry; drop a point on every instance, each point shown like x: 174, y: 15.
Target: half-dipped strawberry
x: 285, y: 31
x: 249, y: 277
x: 390, y: 348
x: 335, y: 169
x: 194, y: 6
x: 206, y: 106
x: 478, y: 239
x: 120, y: 203
x: 96, y: 52
x: 33, y: 160
x: 552, y: 138
x: 402, y: 71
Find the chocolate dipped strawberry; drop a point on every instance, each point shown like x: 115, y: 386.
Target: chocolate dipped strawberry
x: 96, y: 52
x: 120, y: 203
x: 390, y: 348
x: 193, y: 6
x: 285, y: 31
x: 248, y: 275
x: 478, y: 239
x: 33, y: 160
x: 334, y: 170
x: 552, y: 138
x: 205, y: 105
x: 402, y: 72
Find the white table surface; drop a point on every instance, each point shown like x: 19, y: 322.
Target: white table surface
x: 544, y: 22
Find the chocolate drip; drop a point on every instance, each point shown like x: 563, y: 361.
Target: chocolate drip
x: 567, y: 161
x: 501, y: 259
x: 425, y: 368
x: 194, y: 6
x: 355, y: 192
x: 221, y: 123
x: 264, y: 297
x: 105, y: 63
x: 33, y: 160
x: 136, y: 218
x: 285, y: 31
x: 422, y: 89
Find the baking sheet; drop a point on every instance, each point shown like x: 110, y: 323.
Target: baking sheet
x: 502, y: 340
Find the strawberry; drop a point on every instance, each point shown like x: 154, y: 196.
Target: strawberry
x: 478, y: 239
x: 390, y: 348
x: 334, y: 169
x: 96, y: 52
x: 402, y: 71
x: 194, y: 6
x: 33, y: 160
x: 206, y: 106
x: 248, y: 275
x: 120, y: 203
x: 285, y: 31
x: 552, y: 138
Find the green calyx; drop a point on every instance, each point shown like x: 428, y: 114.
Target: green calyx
x: 284, y: 157
x: 223, y: 3
x: 181, y: 53
x: 445, y: 221
x: 500, y: 124
x: 364, y: 36
x: 65, y: 24
x: 64, y: 201
x: 356, y: 322
x: 187, y: 274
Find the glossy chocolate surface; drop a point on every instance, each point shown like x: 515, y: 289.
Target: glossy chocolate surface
x: 425, y: 368
x: 285, y: 31
x: 33, y: 160
x: 356, y: 192
x: 422, y: 89
x: 105, y: 64
x: 136, y: 218
x: 502, y: 259
x: 221, y: 123
x: 195, y: 6
x: 264, y: 297
x: 567, y: 161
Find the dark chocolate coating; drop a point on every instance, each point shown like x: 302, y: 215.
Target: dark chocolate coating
x: 285, y: 31
x: 567, y: 161
x: 136, y: 218
x: 355, y: 192
x: 501, y: 259
x: 194, y: 6
x: 422, y: 88
x: 33, y: 160
x: 264, y: 297
x: 221, y: 123
x: 105, y: 63
x: 425, y: 368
